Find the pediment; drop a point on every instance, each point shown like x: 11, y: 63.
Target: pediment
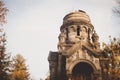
x: 72, y: 49
x: 78, y: 46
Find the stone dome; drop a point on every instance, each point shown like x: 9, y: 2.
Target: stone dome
x: 76, y: 17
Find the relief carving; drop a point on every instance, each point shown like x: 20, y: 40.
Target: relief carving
x: 62, y: 38
x: 84, y: 33
x: 95, y: 37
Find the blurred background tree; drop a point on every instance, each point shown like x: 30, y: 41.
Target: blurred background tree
x: 114, y: 47
x: 113, y: 51
x: 4, y: 58
x: 19, y: 68
x: 116, y: 9
x: 3, y: 12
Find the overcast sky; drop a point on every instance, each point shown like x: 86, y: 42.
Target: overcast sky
x: 33, y: 27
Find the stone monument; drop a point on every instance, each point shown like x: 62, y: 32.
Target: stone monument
x: 78, y: 50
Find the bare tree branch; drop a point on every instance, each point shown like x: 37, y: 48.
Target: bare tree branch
x: 116, y: 9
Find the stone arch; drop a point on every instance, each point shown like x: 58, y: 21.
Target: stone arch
x: 74, y: 63
x: 78, y: 30
x: 84, y: 27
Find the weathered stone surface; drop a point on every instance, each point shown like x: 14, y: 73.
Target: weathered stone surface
x: 53, y: 64
x: 62, y: 68
x: 57, y: 66
x: 78, y: 50
x: 79, y: 42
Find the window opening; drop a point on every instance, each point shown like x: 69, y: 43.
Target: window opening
x: 78, y: 31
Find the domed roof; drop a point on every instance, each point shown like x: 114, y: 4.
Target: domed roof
x: 76, y: 17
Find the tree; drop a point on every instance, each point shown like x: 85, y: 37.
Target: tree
x: 116, y: 9
x: 3, y: 12
x: 113, y: 51
x: 113, y: 46
x: 19, y: 70
x: 4, y: 59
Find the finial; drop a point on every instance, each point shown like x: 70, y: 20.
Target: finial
x: 81, y: 11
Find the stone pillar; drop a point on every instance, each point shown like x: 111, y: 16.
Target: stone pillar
x: 92, y: 78
x: 53, y: 64
x: 62, y: 67
x: 69, y: 76
x: 97, y: 76
x: 57, y: 66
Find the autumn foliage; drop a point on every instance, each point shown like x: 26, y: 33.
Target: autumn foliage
x: 3, y: 12
x: 113, y: 51
x: 19, y: 68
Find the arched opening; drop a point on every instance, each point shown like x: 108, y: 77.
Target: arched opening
x: 82, y: 71
x: 78, y: 31
x: 67, y: 33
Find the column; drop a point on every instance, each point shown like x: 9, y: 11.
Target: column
x: 53, y: 64
x: 69, y: 76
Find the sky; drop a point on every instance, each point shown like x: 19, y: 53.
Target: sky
x: 33, y: 27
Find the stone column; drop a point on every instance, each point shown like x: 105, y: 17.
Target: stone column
x: 53, y: 64
x: 97, y: 76
x: 62, y: 67
x: 69, y: 76
x: 92, y: 78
